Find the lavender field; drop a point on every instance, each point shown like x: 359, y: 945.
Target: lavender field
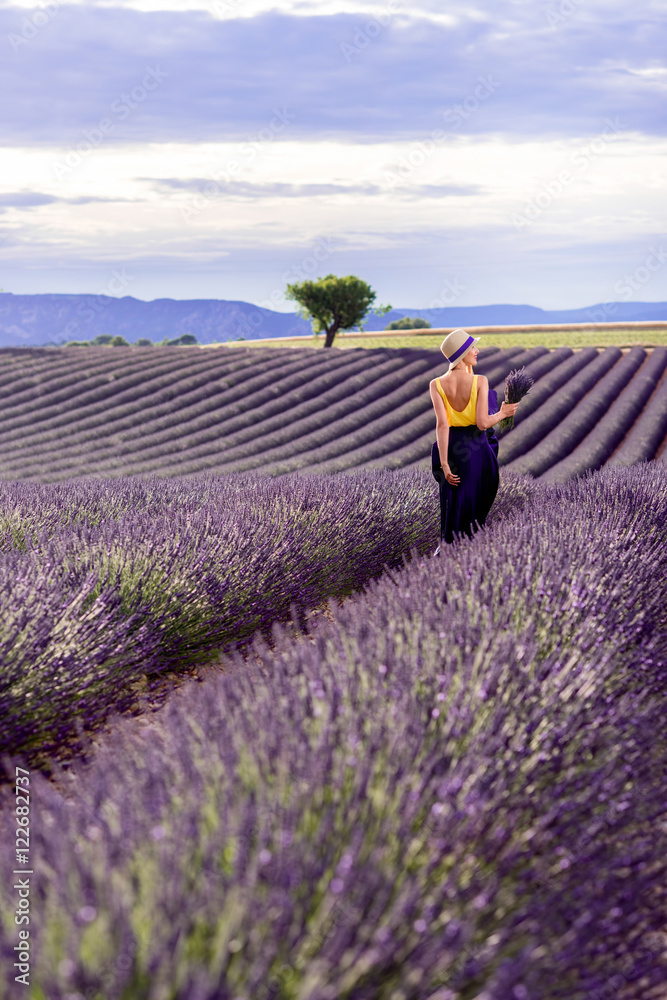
x: 111, y: 412
x: 451, y: 790
x: 108, y: 585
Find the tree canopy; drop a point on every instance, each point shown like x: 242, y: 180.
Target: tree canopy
x: 334, y: 303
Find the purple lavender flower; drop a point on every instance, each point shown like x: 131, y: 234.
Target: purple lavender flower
x: 517, y: 384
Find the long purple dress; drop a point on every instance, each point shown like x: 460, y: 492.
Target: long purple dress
x: 472, y: 455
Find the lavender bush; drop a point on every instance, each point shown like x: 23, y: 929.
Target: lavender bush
x: 106, y: 584
x: 451, y: 791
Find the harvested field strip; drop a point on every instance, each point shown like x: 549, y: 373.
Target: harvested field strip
x: 568, y: 366
x: 557, y: 405
x: 210, y: 432
x: 538, y: 368
x: 643, y: 440
x: 161, y: 382
x: 321, y: 421
x: 574, y: 426
x: 613, y: 426
x: 122, y: 411
x: 215, y: 400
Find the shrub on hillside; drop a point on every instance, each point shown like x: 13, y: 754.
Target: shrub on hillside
x: 409, y: 323
x: 185, y: 340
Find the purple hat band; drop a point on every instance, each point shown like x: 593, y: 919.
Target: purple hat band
x: 462, y: 350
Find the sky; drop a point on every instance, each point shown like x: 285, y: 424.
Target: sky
x: 508, y: 151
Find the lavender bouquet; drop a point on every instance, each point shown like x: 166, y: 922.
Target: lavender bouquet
x: 517, y: 384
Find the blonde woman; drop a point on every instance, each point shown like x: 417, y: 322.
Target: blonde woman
x: 465, y: 411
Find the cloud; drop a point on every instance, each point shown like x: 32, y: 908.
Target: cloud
x: 246, y: 189
x: 360, y: 77
x: 25, y: 199
x: 34, y: 199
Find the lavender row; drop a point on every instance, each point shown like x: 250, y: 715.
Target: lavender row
x: 50, y: 370
x: 268, y: 373
x: 610, y: 430
x: 274, y: 419
x: 537, y: 368
x: 381, y: 407
x: 94, y: 382
x: 99, y: 603
x: 383, y: 445
x: 645, y: 437
x: 226, y: 403
x: 157, y: 390
x: 144, y: 391
x: 499, y: 372
x: 416, y: 453
x: 555, y: 396
x: 199, y: 361
x: 210, y: 430
x: 313, y: 441
x: 452, y: 790
x: 576, y: 422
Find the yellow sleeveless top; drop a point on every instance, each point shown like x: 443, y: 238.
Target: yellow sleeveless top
x: 461, y: 418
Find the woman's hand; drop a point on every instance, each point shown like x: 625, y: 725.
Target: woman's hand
x: 508, y: 409
x: 449, y: 476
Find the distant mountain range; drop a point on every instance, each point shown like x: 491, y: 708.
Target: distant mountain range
x: 39, y: 320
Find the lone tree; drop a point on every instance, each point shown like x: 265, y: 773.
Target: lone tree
x: 409, y: 323
x: 334, y: 303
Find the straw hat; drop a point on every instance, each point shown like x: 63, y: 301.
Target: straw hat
x: 456, y: 344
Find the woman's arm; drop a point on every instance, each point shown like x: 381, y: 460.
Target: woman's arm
x: 483, y: 417
x: 442, y: 434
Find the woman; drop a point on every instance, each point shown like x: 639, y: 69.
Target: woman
x: 465, y: 411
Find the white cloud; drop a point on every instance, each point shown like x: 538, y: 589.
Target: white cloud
x: 143, y: 199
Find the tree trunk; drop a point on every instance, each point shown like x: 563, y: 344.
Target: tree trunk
x: 331, y: 333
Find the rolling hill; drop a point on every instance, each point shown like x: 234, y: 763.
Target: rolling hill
x: 38, y: 320
x: 109, y: 412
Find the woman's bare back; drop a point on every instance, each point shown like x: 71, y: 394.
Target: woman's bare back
x: 457, y: 386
